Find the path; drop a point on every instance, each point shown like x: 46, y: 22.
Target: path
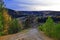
x: 32, y: 34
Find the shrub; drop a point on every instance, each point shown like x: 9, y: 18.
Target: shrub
x: 47, y: 27
x: 1, y: 23
x: 14, y: 27
x: 51, y: 29
x: 56, y: 32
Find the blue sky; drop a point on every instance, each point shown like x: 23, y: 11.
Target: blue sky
x: 33, y: 5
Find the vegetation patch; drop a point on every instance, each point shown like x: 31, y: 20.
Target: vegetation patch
x: 51, y: 29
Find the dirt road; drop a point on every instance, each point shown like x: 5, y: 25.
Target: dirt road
x: 32, y: 34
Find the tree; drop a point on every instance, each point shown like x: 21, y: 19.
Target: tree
x: 48, y: 26
x: 1, y: 18
x: 7, y: 19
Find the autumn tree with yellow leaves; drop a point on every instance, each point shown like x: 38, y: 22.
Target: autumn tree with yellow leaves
x: 8, y: 25
x: 7, y: 20
x: 4, y: 19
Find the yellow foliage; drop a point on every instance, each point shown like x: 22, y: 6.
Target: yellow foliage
x: 6, y: 16
x: 7, y: 19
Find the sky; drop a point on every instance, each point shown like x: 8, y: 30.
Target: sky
x: 32, y: 5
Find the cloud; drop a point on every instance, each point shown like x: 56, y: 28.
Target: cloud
x: 39, y: 8
x: 33, y: 5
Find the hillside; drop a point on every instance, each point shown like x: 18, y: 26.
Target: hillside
x: 39, y: 13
